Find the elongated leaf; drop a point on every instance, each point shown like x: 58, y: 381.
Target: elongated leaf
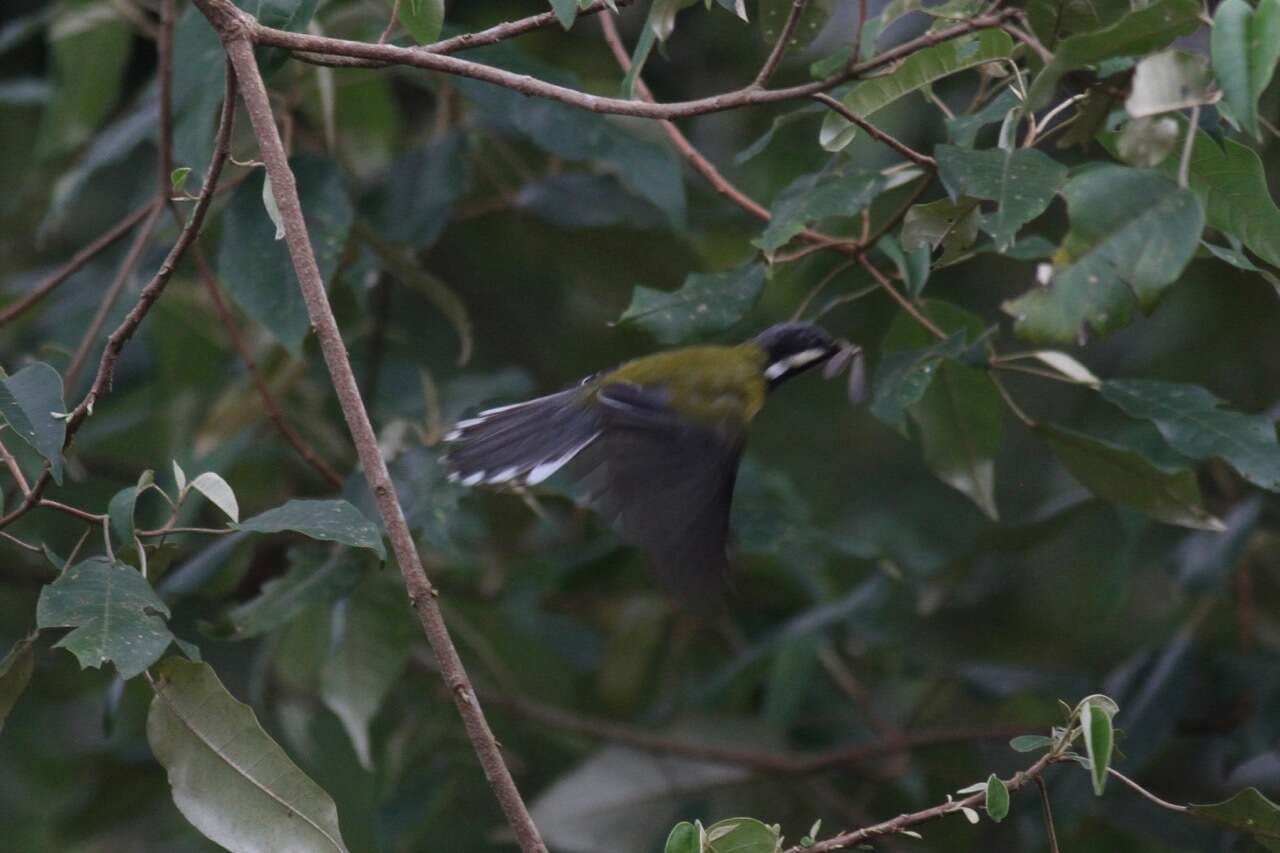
x: 31, y: 403
x: 960, y: 414
x: 1194, y: 423
x: 566, y: 12
x: 422, y: 19
x: 1054, y: 20
x: 120, y: 512
x: 330, y: 520
x: 1021, y: 182
x: 902, y: 378
x: 813, y: 198
x: 228, y: 777
x: 1030, y: 743
x: 916, y: 71
x: 15, y: 675
x: 1125, y: 477
x: 1132, y: 232
x: 1249, y: 812
x: 219, y: 493
x: 1142, y: 31
x: 997, y: 802
x: 115, y: 614
x: 315, y: 576
x: 705, y: 303
x: 90, y: 45
x: 953, y: 225
x: 256, y: 267
x: 963, y: 129
x: 367, y: 659
x: 1099, y: 740
x: 1246, y: 47
x: 913, y: 266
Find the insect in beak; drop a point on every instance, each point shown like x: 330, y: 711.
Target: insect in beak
x: 850, y: 356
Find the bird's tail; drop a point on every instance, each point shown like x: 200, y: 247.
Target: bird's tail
x: 521, y: 444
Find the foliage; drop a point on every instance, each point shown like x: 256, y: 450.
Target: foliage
x: 1053, y: 232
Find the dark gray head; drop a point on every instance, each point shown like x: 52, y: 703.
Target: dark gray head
x: 793, y: 348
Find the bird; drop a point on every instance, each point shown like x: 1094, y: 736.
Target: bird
x: 655, y: 443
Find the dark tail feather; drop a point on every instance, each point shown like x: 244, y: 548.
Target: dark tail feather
x: 521, y: 444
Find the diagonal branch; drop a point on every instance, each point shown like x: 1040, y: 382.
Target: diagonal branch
x: 874, y: 132
x: 235, y: 34
x: 780, y: 46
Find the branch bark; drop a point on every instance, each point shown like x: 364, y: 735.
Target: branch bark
x: 236, y: 31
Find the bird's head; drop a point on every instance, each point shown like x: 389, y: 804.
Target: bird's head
x: 792, y: 348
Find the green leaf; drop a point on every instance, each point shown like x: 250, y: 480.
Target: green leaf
x: 773, y: 15
x: 1052, y: 20
x: 953, y: 225
x: 902, y: 378
x: 256, y: 267
x: 1167, y: 81
x: 741, y: 835
x: 913, y: 266
x: 916, y: 71
x: 90, y: 44
x: 997, y: 802
x: 1245, y: 44
x: 422, y: 187
x: 219, y: 493
x: 120, y: 514
x: 1132, y: 232
x: 228, y: 777
x: 705, y: 303
x: 315, y: 576
x: 960, y: 414
x: 1194, y: 423
x: 817, y: 197
x: 683, y: 839
x: 178, y: 178
x: 1249, y: 812
x: 115, y: 614
x: 566, y: 11
x: 368, y: 658
x: 423, y: 19
x: 1030, y: 743
x: 15, y: 675
x: 1232, y: 186
x: 31, y: 403
x: 1128, y: 478
x: 1095, y: 723
x: 1142, y: 31
x: 1021, y: 182
x: 963, y: 129
x: 1233, y: 255
x: 329, y: 520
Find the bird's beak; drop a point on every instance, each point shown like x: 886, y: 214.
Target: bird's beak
x: 849, y: 356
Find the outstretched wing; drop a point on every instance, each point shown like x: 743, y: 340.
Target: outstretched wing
x: 521, y: 444
x: 666, y: 486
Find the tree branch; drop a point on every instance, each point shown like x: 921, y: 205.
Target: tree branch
x: 780, y: 46
x: 902, y: 822
x: 77, y: 262
x: 231, y: 18
x: 875, y: 132
x: 236, y: 32
x: 466, y: 41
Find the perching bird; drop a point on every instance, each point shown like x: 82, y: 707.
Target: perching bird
x: 656, y: 442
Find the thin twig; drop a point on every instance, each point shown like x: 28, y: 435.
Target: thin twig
x: 905, y: 821
x: 780, y: 46
x: 231, y: 18
x: 857, y: 31
x: 820, y: 286
x: 15, y: 470
x: 1047, y: 812
x: 1164, y: 804
x: 1184, y: 165
x: 107, y: 302
x: 235, y: 33
x: 4, y: 534
x: 874, y: 132
x: 1027, y: 421
x: 77, y: 262
x: 903, y: 301
x: 164, y: 74
x: 82, y: 514
x: 466, y: 41
x: 391, y: 22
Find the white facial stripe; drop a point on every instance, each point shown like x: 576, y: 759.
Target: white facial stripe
x: 472, y: 479
x: 793, y: 362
